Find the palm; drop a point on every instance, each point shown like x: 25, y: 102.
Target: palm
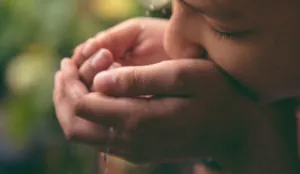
x: 148, y: 48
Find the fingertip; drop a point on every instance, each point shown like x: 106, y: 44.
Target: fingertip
x: 100, y: 36
x: 69, y: 69
x: 88, y: 48
x: 104, y: 81
x: 102, y: 59
x: 67, y: 63
x: 77, y: 48
x: 77, y: 57
x: 64, y: 63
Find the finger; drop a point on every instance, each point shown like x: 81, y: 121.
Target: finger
x: 83, y: 131
x: 62, y: 107
x: 58, y: 92
x: 74, y: 128
x: 134, y: 118
x: 68, y: 92
x: 112, y: 66
x: 101, y: 61
x: 176, y: 78
x: 117, y: 40
x: 69, y: 69
x: 77, y: 55
x: 123, y: 112
x: 102, y: 109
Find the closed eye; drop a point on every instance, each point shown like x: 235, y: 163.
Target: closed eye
x: 233, y: 34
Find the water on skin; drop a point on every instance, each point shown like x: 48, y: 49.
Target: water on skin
x: 105, y: 156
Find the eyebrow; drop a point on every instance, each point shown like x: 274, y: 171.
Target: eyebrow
x: 228, y: 16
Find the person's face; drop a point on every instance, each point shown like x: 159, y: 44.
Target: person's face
x: 242, y: 36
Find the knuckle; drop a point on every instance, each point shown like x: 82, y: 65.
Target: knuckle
x: 127, y: 80
x: 177, y: 77
x: 136, y: 78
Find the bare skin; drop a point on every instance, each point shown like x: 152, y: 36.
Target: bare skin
x: 258, y: 43
x: 187, y: 85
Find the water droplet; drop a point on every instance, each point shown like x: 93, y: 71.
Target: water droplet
x: 105, y: 156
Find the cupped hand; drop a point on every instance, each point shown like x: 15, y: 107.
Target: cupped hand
x: 137, y: 41
x: 184, y: 120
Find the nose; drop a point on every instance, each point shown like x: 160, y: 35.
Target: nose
x: 178, y: 41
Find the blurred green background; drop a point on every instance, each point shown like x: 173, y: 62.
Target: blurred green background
x: 34, y: 36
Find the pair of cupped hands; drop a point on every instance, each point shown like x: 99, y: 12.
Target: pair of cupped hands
x: 162, y: 109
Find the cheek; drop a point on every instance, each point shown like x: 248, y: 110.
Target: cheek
x: 238, y: 59
x: 178, y: 48
x: 225, y: 53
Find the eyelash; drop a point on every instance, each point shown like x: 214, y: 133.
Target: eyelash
x: 231, y: 35
x: 221, y: 34
x: 224, y: 35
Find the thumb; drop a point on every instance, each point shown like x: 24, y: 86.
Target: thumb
x: 172, y: 78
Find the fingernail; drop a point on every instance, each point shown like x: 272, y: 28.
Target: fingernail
x: 104, y: 81
x: 87, y: 50
x: 98, y: 58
